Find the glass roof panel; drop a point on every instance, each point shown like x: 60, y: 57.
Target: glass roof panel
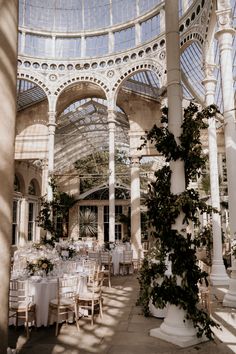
x: 191, y: 65
x: 82, y: 128
x: 79, y: 15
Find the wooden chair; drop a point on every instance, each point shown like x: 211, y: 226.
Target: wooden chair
x: 21, y: 303
x: 126, y: 262
x: 106, y: 265
x: 64, y: 305
x: 92, y: 299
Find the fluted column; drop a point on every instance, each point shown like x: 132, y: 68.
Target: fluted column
x: 224, y: 36
x: 135, y: 208
x: 175, y: 328
x: 111, y: 129
x: 8, y: 59
x: 51, y: 138
x: 218, y: 274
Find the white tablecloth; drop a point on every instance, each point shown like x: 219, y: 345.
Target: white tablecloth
x: 46, y: 290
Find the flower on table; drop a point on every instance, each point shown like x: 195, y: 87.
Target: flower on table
x: 39, y: 264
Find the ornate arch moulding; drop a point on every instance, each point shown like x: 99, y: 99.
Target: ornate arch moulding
x: 152, y: 65
x: 98, y: 80
x: 37, y: 79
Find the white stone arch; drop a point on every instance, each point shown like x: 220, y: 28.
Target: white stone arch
x: 22, y: 182
x: 147, y: 65
x: 189, y: 38
x: 34, y: 78
x: 96, y: 79
x: 36, y: 184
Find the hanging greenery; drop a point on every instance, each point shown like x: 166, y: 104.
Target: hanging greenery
x: 178, y: 246
x: 54, y: 214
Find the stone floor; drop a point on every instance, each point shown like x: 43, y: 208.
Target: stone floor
x: 123, y: 329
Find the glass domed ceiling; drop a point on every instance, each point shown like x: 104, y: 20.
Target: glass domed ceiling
x: 80, y: 15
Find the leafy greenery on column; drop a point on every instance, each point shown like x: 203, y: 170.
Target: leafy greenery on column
x: 178, y: 246
x: 54, y: 213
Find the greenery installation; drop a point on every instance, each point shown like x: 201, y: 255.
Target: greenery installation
x: 181, y: 287
x: 53, y: 216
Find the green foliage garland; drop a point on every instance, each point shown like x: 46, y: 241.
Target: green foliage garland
x: 52, y: 211
x: 181, y: 287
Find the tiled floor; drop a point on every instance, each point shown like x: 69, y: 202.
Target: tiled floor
x: 123, y: 329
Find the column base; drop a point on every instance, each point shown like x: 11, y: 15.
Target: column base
x: 183, y: 341
x: 218, y: 275
x: 177, y: 330
x: 230, y: 297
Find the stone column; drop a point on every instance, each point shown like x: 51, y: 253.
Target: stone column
x: 111, y: 128
x: 135, y: 208
x: 23, y: 227
x: 8, y: 60
x: 224, y: 36
x: 44, y: 183
x: 218, y: 274
x: 175, y: 328
x: 51, y: 138
x: 100, y: 224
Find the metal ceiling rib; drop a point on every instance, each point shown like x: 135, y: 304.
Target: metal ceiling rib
x: 82, y: 129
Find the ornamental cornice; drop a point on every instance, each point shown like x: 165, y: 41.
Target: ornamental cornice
x: 104, y: 64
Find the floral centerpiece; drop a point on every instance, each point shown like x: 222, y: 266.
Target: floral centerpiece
x: 66, y: 251
x: 40, y: 264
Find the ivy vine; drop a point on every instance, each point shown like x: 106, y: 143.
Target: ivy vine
x: 54, y: 213
x: 178, y: 246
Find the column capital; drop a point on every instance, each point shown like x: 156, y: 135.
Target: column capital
x: 111, y: 116
x: 224, y: 17
x: 52, y: 117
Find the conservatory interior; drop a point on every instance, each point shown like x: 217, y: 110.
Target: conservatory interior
x: 118, y: 140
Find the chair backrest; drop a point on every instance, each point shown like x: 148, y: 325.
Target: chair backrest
x: 98, y: 282
x: 105, y: 257
x: 19, y: 293
x: 127, y: 256
x: 67, y: 287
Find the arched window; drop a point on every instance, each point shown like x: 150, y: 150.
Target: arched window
x: 16, y: 184
x: 32, y: 188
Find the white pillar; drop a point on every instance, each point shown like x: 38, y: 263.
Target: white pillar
x: 135, y: 209
x: 175, y: 328
x: 8, y: 60
x: 111, y: 128
x: 51, y: 138
x: 23, y: 227
x: 218, y: 274
x: 224, y: 36
x: 100, y: 224
x: 44, y: 182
